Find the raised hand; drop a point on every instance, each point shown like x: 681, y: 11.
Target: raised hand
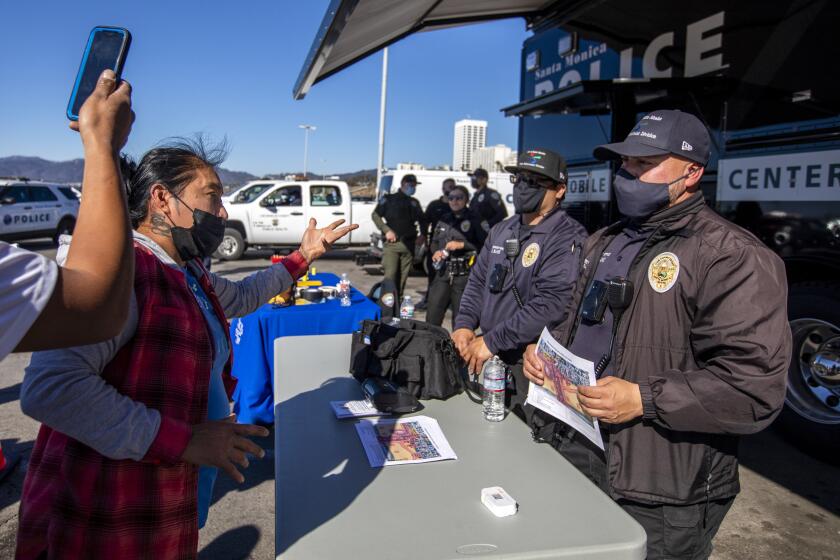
x: 106, y: 117
x: 316, y: 242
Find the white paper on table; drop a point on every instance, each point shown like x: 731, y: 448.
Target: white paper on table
x: 354, y: 409
x: 563, y: 371
x: 417, y: 439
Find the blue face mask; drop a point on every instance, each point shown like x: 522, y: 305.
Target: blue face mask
x: 409, y: 189
x: 638, y: 199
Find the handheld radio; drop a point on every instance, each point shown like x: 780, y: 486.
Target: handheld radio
x: 619, y: 298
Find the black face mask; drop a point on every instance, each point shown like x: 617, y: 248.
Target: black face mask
x: 202, y: 239
x: 527, y: 197
x: 638, y: 199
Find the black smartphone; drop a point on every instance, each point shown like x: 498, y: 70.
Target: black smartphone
x: 106, y: 47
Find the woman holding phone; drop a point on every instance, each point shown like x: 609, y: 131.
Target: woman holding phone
x: 127, y: 423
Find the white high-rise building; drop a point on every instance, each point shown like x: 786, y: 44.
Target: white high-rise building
x: 469, y: 136
x: 491, y: 158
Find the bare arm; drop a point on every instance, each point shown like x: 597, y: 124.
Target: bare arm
x: 91, y: 296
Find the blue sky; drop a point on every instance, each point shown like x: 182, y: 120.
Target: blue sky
x: 227, y: 69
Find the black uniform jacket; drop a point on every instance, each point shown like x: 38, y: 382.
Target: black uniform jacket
x: 707, y: 340
x: 465, y: 227
x: 488, y: 205
x: 544, y: 272
x: 402, y: 214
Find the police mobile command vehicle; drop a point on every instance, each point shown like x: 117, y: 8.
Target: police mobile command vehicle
x: 32, y: 209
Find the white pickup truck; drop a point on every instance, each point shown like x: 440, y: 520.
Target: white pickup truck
x: 275, y: 214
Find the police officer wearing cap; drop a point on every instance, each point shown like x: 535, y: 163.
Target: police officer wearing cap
x: 486, y: 203
x: 693, y: 355
x: 456, y: 239
x: 524, y: 273
x: 398, y: 216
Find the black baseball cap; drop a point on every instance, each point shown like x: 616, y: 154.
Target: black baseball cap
x: 480, y: 172
x: 541, y: 161
x: 410, y: 178
x: 666, y: 132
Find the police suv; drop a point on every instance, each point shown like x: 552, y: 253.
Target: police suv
x: 31, y: 209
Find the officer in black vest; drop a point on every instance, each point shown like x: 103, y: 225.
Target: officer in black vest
x: 434, y: 211
x: 486, y: 203
x: 525, y: 272
x: 456, y: 239
x: 398, y: 216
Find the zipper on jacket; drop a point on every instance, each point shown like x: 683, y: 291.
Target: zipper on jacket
x: 578, y: 313
x: 650, y: 242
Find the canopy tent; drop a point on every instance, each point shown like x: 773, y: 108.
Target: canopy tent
x: 354, y: 29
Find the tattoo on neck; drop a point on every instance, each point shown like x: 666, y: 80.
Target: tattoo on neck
x: 159, y: 225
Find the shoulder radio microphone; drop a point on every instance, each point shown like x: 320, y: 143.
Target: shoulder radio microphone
x: 511, y: 248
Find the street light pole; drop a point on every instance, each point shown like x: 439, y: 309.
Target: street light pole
x: 380, y: 162
x: 306, y: 128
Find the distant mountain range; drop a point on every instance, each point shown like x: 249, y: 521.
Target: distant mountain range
x: 39, y: 169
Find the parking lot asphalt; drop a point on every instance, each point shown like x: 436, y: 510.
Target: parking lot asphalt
x: 789, y: 506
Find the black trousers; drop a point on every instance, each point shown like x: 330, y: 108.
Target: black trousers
x: 679, y: 531
x: 444, y: 294
x: 683, y: 531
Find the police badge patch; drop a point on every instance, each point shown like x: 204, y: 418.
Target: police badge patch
x: 485, y: 226
x: 495, y: 196
x: 481, y: 197
x: 530, y: 255
x: 663, y: 272
x: 465, y: 226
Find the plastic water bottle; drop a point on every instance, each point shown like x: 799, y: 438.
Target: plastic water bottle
x: 439, y: 264
x: 494, y: 374
x: 344, y: 290
x: 406, y: 308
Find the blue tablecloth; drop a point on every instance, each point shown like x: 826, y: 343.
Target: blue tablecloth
x: 253, y: 344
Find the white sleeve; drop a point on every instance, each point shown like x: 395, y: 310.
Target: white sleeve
x: 64, y: 390
x: 27, y: 281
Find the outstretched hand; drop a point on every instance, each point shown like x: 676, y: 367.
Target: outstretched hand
x: 316, y: 242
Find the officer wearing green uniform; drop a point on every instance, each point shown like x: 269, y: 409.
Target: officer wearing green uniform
x: 397, y: 216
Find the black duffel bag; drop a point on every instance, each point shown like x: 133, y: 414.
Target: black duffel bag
x: 414, y: 355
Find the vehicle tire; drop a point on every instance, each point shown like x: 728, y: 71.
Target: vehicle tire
x: 65, y: 227
x: 811, y: 414
x: 232, y: 246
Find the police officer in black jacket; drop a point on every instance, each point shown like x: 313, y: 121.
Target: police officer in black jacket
x: 486, y: 203
x: 398, y: 217
x: 697, y: 357
x: 434, y: 211
x: 456, y: 239
x: 524, y: 274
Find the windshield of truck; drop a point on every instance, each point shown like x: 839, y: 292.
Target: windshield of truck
x: 249, y: 194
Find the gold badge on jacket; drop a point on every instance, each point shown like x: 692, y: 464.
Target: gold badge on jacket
x: 465, y: 226
x: 663, y: 272
x: 531, y: 254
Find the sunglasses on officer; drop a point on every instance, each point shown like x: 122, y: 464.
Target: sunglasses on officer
x: 531, y: 179
x: 454, y: 197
